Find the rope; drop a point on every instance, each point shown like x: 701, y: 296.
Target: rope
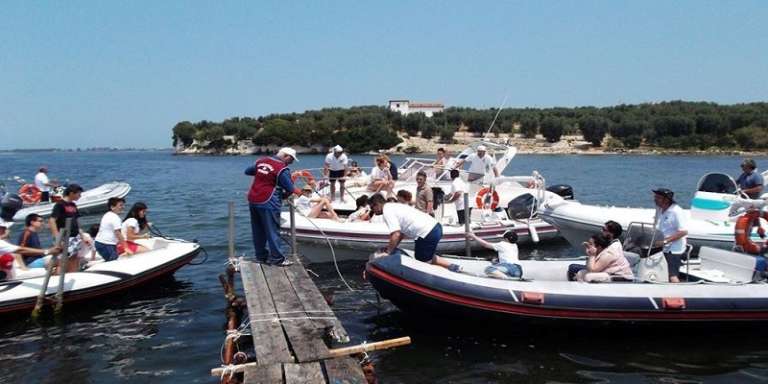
x: 157, y: 233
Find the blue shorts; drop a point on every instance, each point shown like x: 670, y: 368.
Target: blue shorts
x: 424, y: 248
x: 509, y: 269
x: 37, y: 263
x: 333, y: 175
x: 108, y: 252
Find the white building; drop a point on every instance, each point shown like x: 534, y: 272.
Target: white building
x: 406, y: 106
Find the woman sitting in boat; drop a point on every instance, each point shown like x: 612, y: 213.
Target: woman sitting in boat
x: 135, y: 226
x: 604, y: 263
x: 313, y: 206
x: 381, y: 179
x: 362, y: 212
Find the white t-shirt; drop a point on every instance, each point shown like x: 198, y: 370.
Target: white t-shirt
x: 671, y: 221
x: 6, y: 247
x: 458, y: 185
x: 110, y: 223
x: 304, y: 204
x: 507, y: 251
x: 481, y: 166
x: 41, y: 179
x: 131, y: 224
x: 380, y: 174
x: 408, y: 220
x: 334, y: 163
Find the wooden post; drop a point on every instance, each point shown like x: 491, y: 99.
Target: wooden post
x: 231, y: 233
x: 294, y: 250
x: 467, y: 215
x: 63, y: 265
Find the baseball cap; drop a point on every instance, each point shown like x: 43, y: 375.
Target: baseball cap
x: 338, y: 148
x: 290, y: 152
x: 666, y: 193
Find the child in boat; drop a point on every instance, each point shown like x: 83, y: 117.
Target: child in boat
x: 311, y: 205
x: 381, y: 178
x: 362, y: 212
x: 134, y: 227
x: 505, y: 267
x: 30, y: 239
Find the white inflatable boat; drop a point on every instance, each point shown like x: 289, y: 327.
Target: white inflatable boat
x: 715, y: 209
x: 723, y: 286
x: 101, y: 279
x: 91, y: 201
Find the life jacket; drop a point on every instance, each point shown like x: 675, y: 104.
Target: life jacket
x: 265, y: 179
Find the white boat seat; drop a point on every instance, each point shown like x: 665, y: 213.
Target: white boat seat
x: 719, y: 265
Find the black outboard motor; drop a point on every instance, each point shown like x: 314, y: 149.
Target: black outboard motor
x: 437, y: 197
x: 9, y: 205
x: 520, y: 207
x: 564, y: 190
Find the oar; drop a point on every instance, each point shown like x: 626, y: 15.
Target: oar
x: 48, y: 271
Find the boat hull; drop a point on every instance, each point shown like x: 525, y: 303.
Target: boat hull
x: 92, y: 201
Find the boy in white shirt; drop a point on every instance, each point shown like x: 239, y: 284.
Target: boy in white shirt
x: 507, y: 252
x: 110, y: 231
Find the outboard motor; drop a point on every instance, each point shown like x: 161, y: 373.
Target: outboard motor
x: 9, y: 205
x: 521, y: 207
x: 437, y: 196
x: 563, y: 190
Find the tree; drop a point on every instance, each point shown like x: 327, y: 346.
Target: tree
x: 412, y: 123
x: 552, y: 129
x: 428, y: 128
x: 184, y: 132
x: 594, y: 129
x: 529, y: 127
x: 446, y: 134
x: 628, y: 128
x: 674, y: 126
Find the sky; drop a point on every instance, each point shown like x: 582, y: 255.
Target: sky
x: 122, y: 74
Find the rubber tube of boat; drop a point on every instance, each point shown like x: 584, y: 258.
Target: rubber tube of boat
x: 466, y: 225
x: 532, y: 231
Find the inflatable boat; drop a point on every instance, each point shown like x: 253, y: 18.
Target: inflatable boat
x: 723, y: 286
x: 91, y: 201
x: 712, y: 219
x: 101, y: 279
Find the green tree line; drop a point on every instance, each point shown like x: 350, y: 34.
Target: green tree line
x: 673, y: 125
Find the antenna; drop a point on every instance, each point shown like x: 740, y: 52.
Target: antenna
x: 497, y: 115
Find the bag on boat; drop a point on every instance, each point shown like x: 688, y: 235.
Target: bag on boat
x: 653, y: 268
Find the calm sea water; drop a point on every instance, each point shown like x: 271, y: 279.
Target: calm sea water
x: 172, y: 331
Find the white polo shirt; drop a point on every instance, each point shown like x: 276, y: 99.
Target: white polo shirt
x: 41, y: 179
x: 671, y: 221
x: 336, y: 163
x: 458, y: 185
x: 480, y: 166
x: 408, y: 220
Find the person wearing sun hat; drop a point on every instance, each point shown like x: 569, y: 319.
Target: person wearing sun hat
x: 480, y: 164
x: 271, y: 184
x: 335, y: 168
x: 673, y: 224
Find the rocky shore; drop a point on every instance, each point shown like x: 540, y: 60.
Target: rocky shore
x: 568, y: 145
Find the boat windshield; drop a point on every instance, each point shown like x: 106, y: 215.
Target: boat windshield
x: 639, y: 237
x: 503, y: 154
x: 717, y: 183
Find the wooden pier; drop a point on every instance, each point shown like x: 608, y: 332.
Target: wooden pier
x: 293, y: 329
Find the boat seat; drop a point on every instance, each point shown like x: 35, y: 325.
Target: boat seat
x: 719, y: 265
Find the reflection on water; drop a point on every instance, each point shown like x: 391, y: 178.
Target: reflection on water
x: 172, y: 331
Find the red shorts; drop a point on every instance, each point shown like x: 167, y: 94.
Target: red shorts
x: 133, y: 247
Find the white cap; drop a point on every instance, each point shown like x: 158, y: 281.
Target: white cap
x: 5, y: 224
x: 481, y: 148
x: 338, y: 148
x: 288, y: 151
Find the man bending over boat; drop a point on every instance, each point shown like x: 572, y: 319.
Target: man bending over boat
x: 271, y: 184
x: 405, y: 221
x: 672, y: 223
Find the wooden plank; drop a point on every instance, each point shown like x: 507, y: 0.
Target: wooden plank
x: 265, y: 374
x: 313, y: 301
x: 344, y: 370
x: 304, y: 373
x: 304, y: 335
x: 268, y: 338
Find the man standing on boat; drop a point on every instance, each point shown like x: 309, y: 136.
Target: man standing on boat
x: 750, y: 182
x: 43, y: 184
x: 672, y: 223
x: 425, y: 201
x: 456, y: 195
x: 481, y: 164
x: 335, y: 168
x: 271, y: 183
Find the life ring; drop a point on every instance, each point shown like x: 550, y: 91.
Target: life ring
x: 743, y: 232
x: 481, y: 196
x: 304, y: 174
x: 30, y: 194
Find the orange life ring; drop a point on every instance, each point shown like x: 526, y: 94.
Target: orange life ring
x: 743, y: 232
x: 481, y: 196
x: 30, y: 194
x: 304, y: 174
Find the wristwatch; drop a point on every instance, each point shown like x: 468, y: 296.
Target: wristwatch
x: 45, y: 252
